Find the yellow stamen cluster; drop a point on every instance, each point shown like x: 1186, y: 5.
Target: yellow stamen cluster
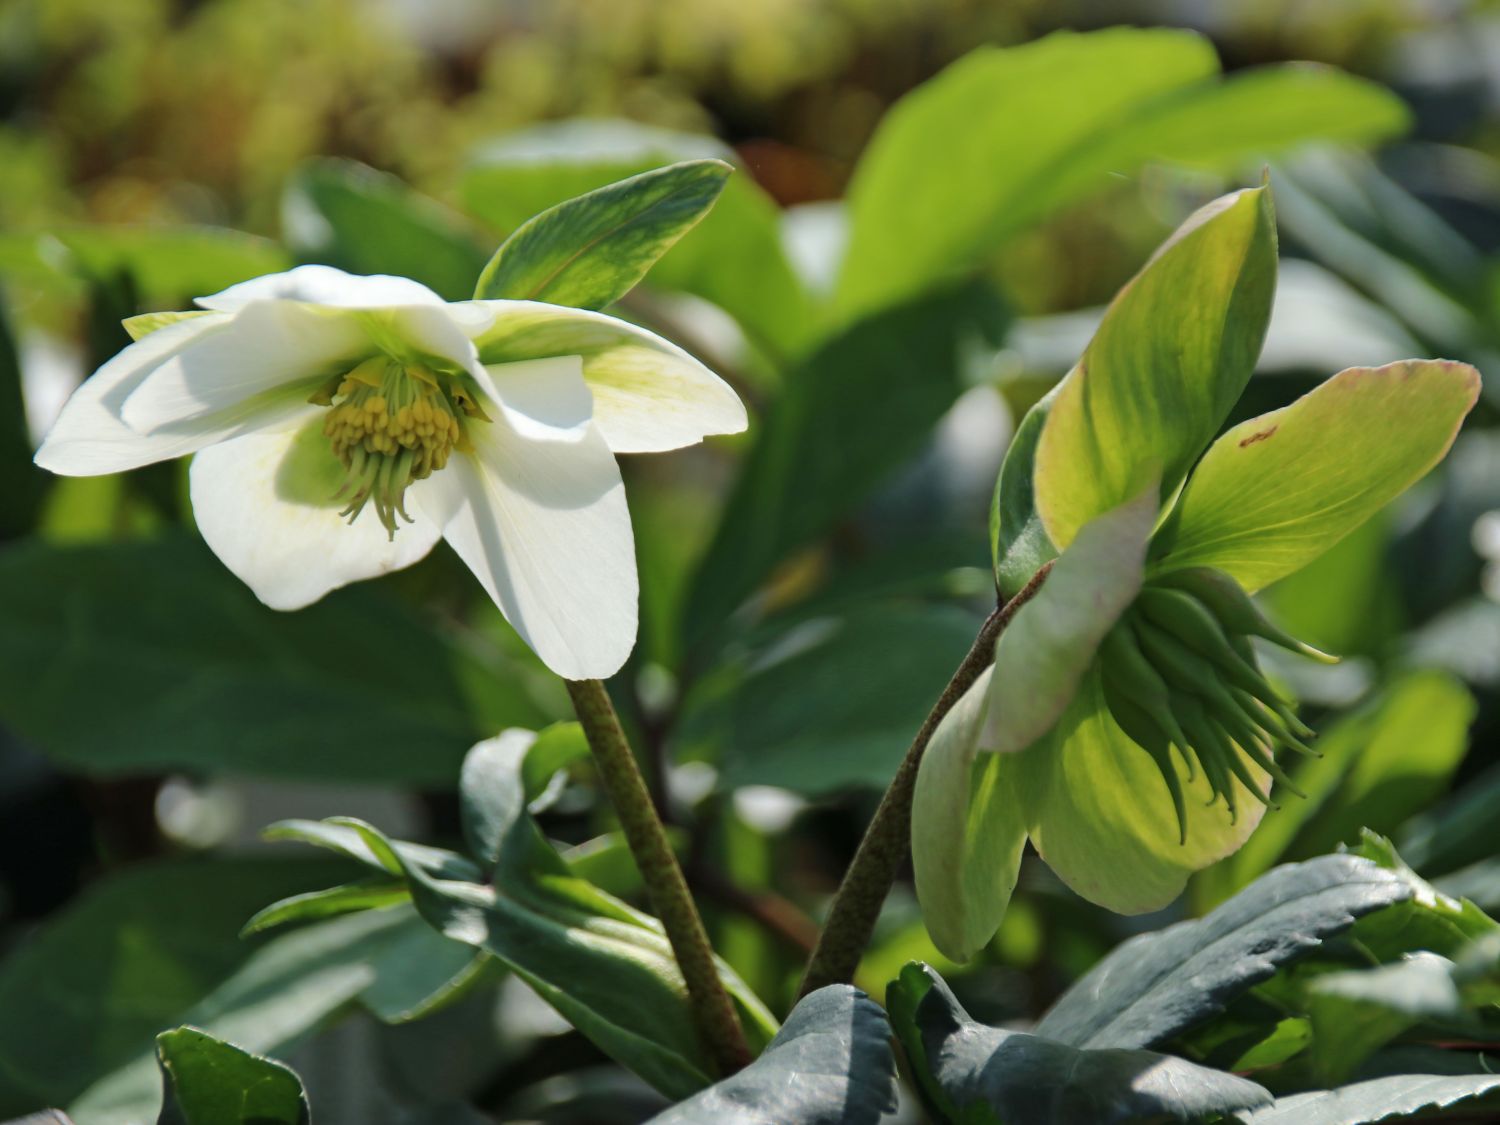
x: 390, y: 425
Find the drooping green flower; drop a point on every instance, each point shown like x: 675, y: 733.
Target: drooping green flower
x: 1126, y: 728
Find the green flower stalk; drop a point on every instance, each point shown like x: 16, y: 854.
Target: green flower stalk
x: 1126, y: 728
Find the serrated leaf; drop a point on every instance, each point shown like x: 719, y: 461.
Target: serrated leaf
x: 975, y: 1073
x: 830, y: 1064
x: 1157, y: 985
x: 591, y: 250
x: 210, y: 1082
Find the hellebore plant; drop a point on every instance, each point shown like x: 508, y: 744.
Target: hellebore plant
x: 342, y: 424
x: 1125, y: 726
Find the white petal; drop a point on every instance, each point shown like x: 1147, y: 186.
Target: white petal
x: 324, y: 285
x: 544, y: 526
x: 263, y: 347
x: 89, y: 436
x: 544, y: 399
x: 649, y: 394
x: 264, y: 505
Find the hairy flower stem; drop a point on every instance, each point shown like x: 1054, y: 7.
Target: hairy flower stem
x: 887, y: 841
x: 668, y: 890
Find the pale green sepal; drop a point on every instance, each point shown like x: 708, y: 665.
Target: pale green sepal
x: 1102, y: 818
x: 967, y: 831
x: 1018, y: 542
x: 143, y: 325
x: 1274, y: 493
x: 1045, y: 651
x: 591, y: 250
x: 1167, y: 363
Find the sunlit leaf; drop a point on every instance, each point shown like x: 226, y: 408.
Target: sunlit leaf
x: 211, y: 1082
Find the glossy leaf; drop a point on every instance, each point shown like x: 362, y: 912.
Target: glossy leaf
x: 830, y: 1064
x: 341, y: 213
x: 211, y: 1082
x: 590, y: 251
x: 1276, y: 491
x: 974, y: 1073
x: 195, y: 674
x: 1169, y: 360
x: 856, y: 410
x: 733, y: 258
x: 607, y: 968
x: 1157, y: 985
x: 1396, y: 1098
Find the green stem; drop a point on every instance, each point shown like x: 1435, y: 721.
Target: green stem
x: 887, y: 841
x: 668, y: 890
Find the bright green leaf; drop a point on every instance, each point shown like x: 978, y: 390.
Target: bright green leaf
x: 590, y: 251
x: 1169, y: 360
x: 1276, y: 491
x: 1019, y: 544
x: 980, y: 1074
x: 211, y: 1082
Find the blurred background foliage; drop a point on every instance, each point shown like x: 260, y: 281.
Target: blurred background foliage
x: 153, y: 716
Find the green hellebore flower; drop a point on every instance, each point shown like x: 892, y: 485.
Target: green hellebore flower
x: 1125, y: 727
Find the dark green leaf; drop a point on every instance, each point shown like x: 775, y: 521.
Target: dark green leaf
x: 974, y: 1073
x: 1158, y: 985
x: 826, y: 703
x: 210, y: 1082
x: 830, y: 1064
x: 131, y: 957
x: 195, y: 674
x: 341, y: 213
x: 1402, y: 1097
x: 590, y: 251
x: 857, y: 409
x: 1019, y: 544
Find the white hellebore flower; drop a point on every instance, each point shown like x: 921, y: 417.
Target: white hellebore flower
x: 343, y: 424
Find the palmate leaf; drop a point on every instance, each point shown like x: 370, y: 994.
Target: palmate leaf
x: 591, y: 250
x: 976, y: 1074
x: 830, y: 1064
x: 1158, y: 985
x: 210, y: 1082
x: 607, y: 968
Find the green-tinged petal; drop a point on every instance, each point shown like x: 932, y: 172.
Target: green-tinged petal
x: 1277, y: 491
x: 147, y: 323
x: 1168, y: 362
x: 649, y: 395
x: 967, y: 831
x: 1045, y: 651
x: 1101, y: 816
x: 1018, y: 542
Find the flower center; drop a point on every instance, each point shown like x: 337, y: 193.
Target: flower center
x: 389, y: 425
x: 1179, y: 674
